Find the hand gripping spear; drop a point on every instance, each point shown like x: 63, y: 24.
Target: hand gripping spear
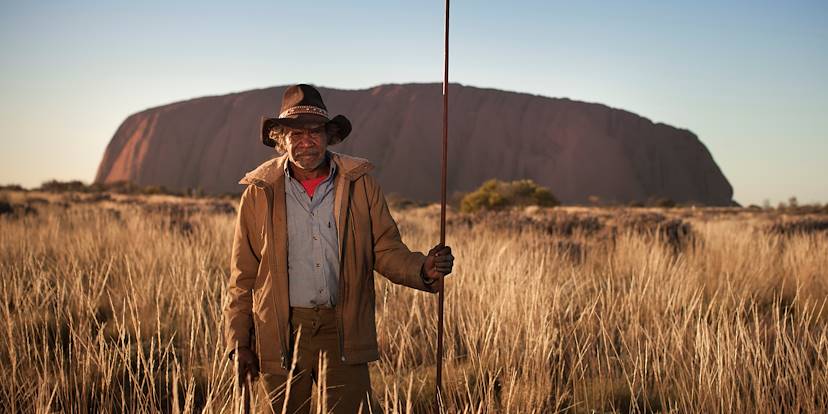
x: 441, y: 294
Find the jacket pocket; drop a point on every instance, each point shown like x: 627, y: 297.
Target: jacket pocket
x: 267, y: 333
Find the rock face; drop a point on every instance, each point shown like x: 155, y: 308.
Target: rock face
x: 576, y: 149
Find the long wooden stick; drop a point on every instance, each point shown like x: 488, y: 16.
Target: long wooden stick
x: 246, y: 394
x: 441, y: 294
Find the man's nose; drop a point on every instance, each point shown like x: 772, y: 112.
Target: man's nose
x: 305, y: 141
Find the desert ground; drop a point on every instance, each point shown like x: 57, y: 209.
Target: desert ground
x: 113, y: 303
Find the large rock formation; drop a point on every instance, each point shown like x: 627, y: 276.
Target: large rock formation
x: 576, y: 149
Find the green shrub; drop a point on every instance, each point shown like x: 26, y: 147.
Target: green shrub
x: 496, y: 195
x: 55, y: 186
x: 660, y: 201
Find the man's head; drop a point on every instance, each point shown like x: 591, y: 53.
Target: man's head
x: 305, y: 146
x: 303, y: 110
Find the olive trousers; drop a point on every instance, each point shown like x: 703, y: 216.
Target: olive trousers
x: 346, y: 388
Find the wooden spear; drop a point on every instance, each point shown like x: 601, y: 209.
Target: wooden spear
x: 441, y: 294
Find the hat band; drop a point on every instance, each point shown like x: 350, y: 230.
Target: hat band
x: 303, y: 109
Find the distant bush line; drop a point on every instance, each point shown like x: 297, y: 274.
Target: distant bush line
x: 117, y: 187
x: 492, y: 195
x: 498, y: 195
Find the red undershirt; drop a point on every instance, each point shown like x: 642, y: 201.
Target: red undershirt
x: 310, y: 185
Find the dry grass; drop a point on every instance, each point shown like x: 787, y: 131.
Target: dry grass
x: 114, y: 305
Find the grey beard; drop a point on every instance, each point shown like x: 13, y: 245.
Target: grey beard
x: 310, y: 167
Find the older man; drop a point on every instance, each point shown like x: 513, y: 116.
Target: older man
x: 312, y: 227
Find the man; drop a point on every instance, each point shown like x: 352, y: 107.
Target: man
x: 312, y: 227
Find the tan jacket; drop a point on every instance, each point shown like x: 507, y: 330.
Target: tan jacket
x: 257, y: 308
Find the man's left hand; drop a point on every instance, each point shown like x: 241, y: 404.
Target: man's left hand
x: 438, y: 263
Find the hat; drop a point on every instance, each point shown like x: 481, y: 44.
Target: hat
x: 302, y: 107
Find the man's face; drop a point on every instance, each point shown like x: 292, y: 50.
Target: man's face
x: 306, y: 147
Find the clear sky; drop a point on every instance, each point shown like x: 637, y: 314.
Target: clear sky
x: 749, y: 78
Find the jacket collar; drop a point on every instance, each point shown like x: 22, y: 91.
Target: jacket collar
x: 272, y: 170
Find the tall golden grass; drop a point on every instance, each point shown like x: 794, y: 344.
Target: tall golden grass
x: 116, y: 306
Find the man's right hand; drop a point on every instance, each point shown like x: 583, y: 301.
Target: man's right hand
x: 247, y: 363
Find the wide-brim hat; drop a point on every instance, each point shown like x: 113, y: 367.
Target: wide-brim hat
x: 302, y: 107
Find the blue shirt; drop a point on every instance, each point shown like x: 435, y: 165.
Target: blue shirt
x: 313, y: 244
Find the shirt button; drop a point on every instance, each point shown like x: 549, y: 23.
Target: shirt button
x: 314, y: 237
x: 317, y: 265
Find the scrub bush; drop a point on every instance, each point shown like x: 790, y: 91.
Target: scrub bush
x: 496, y: 195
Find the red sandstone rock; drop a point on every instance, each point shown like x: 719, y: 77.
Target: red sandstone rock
x: 574, y: 148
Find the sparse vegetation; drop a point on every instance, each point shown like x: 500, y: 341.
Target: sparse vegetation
x: 12, y: 187
x: 115, y: 305
x: 665, y: 202
x: 497, y: 195
x: 117, y: 187
x: 800, y: 226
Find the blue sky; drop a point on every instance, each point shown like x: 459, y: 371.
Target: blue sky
x: 749, y: 78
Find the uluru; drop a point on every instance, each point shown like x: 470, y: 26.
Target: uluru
x: 578, y: 150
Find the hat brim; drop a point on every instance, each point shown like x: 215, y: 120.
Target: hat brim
x: 338, y: 128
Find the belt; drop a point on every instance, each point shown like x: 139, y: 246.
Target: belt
x: 317, y: 308
x: 312, y: 318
